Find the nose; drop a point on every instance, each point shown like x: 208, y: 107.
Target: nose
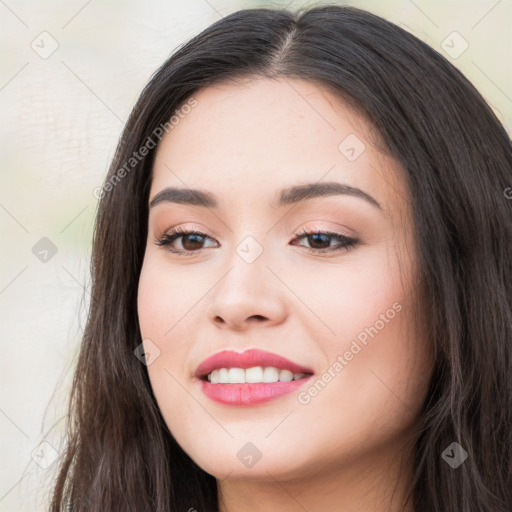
x: 249, y: 295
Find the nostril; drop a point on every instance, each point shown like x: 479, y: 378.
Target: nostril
x: 258, y: 317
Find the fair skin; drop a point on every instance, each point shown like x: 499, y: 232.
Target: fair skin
x: 345, y: 449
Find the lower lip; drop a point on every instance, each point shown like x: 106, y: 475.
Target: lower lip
x: 246, y: 395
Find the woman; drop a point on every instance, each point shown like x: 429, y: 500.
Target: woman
x: 301, y: 282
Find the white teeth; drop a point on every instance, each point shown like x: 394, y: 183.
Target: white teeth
x: 253, y: 375
x: 270, y: 374
x: 285, y: 376
x: 236, y: 376
x: 223, y: 376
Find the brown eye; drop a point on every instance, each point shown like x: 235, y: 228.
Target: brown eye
x: 320, y: 241
x: 191, y: 241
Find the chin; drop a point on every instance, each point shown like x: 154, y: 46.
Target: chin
x: 256, y: 461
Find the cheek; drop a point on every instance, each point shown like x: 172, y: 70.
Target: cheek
x: 168, y: 305
x: 370, y: 391
x: 164, y: 297
x: 159, y: 310
x: 346, y: 297
x: 376, y: 360
x: 379, y: 365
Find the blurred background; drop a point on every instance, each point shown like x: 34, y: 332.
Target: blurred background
x: 70, y: 72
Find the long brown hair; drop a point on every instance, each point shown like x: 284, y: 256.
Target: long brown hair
x: 120, y: 454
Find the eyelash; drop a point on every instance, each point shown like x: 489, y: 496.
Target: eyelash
x: 347, y: 243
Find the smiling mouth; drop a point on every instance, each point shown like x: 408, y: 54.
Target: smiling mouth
x: 252, y: 375
x: 249, y: 378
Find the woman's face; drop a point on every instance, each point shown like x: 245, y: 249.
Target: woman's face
x: 254, y: 277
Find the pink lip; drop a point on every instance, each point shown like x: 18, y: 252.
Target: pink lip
x: 248, y: 394
x: 247, y: 359
x: 240, y: 395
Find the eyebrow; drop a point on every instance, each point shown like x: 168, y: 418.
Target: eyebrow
x: 286, y: 196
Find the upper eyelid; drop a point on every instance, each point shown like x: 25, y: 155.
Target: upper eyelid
x: 298, y: 233
x: 310, y: 229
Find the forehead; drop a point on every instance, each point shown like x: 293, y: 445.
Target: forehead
x: 247, y: 139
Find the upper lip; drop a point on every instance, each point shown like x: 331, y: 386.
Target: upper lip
x: 247, y: 359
